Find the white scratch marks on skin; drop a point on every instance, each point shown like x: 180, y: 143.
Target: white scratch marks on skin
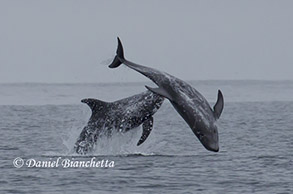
x: 198, y: 110
x: 187, y: 98
x: 190, y: 99
x: 122, y: 115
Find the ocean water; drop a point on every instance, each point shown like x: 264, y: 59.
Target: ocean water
x: 41, y: 122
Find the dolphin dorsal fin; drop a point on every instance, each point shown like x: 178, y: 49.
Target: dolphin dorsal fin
x: 218, y: 108
x: 95, y: 104
x: 160, y: 91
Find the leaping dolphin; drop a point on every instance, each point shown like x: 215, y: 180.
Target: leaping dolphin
x: 121, y: 115
x: 188, y: 102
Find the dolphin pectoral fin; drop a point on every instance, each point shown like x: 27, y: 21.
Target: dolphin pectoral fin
x: 160, y: 91
x: 147, y: 127
x: 95, y: 104
x: 218, y: 108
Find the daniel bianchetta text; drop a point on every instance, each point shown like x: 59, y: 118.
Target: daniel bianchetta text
x: 63, y: 163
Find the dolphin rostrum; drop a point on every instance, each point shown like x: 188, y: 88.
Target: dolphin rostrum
x: 187, y: 101
x: 121, y: 115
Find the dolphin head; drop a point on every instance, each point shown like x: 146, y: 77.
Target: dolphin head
x: 86, y: 140
x: 83, y: 147
x: 202, y: 124
x: 207, y: 135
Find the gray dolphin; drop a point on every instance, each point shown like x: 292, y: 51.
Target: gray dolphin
x: 187, y: 101
x: 121, y: 115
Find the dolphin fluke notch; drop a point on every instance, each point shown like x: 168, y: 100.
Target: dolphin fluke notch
x: 119, y: 58
x: 147, y: 127
x: 95, y: 104
x: 218, y: 108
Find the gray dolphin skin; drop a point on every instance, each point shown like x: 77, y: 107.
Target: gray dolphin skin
x: 121, y: 115
x: 187, y: 101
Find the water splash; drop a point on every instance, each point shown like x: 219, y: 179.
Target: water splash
x: 119, y: 143
x: 71, y: 134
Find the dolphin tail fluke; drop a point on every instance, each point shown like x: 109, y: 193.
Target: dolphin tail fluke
x: 218, y: 108
x: 119, y: 58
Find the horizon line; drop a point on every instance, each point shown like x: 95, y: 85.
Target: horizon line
x: 132, y: 82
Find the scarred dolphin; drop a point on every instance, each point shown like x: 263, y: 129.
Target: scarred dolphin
x: 121, y: 115
x: 187, y: 101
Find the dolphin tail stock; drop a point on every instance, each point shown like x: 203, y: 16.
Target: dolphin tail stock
x: 119, y: 58
x: 218, y: 108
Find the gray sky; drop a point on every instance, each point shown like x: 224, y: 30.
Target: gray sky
x: 74, y: 41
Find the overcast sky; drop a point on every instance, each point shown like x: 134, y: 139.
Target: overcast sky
x: 74, y: 41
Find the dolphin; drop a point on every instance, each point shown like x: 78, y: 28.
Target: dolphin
x: 187, y: 101
x: 121, y: 115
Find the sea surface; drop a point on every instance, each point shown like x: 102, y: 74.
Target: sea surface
x: 41, y: 122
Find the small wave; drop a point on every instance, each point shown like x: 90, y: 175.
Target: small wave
x: 134, y: 155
